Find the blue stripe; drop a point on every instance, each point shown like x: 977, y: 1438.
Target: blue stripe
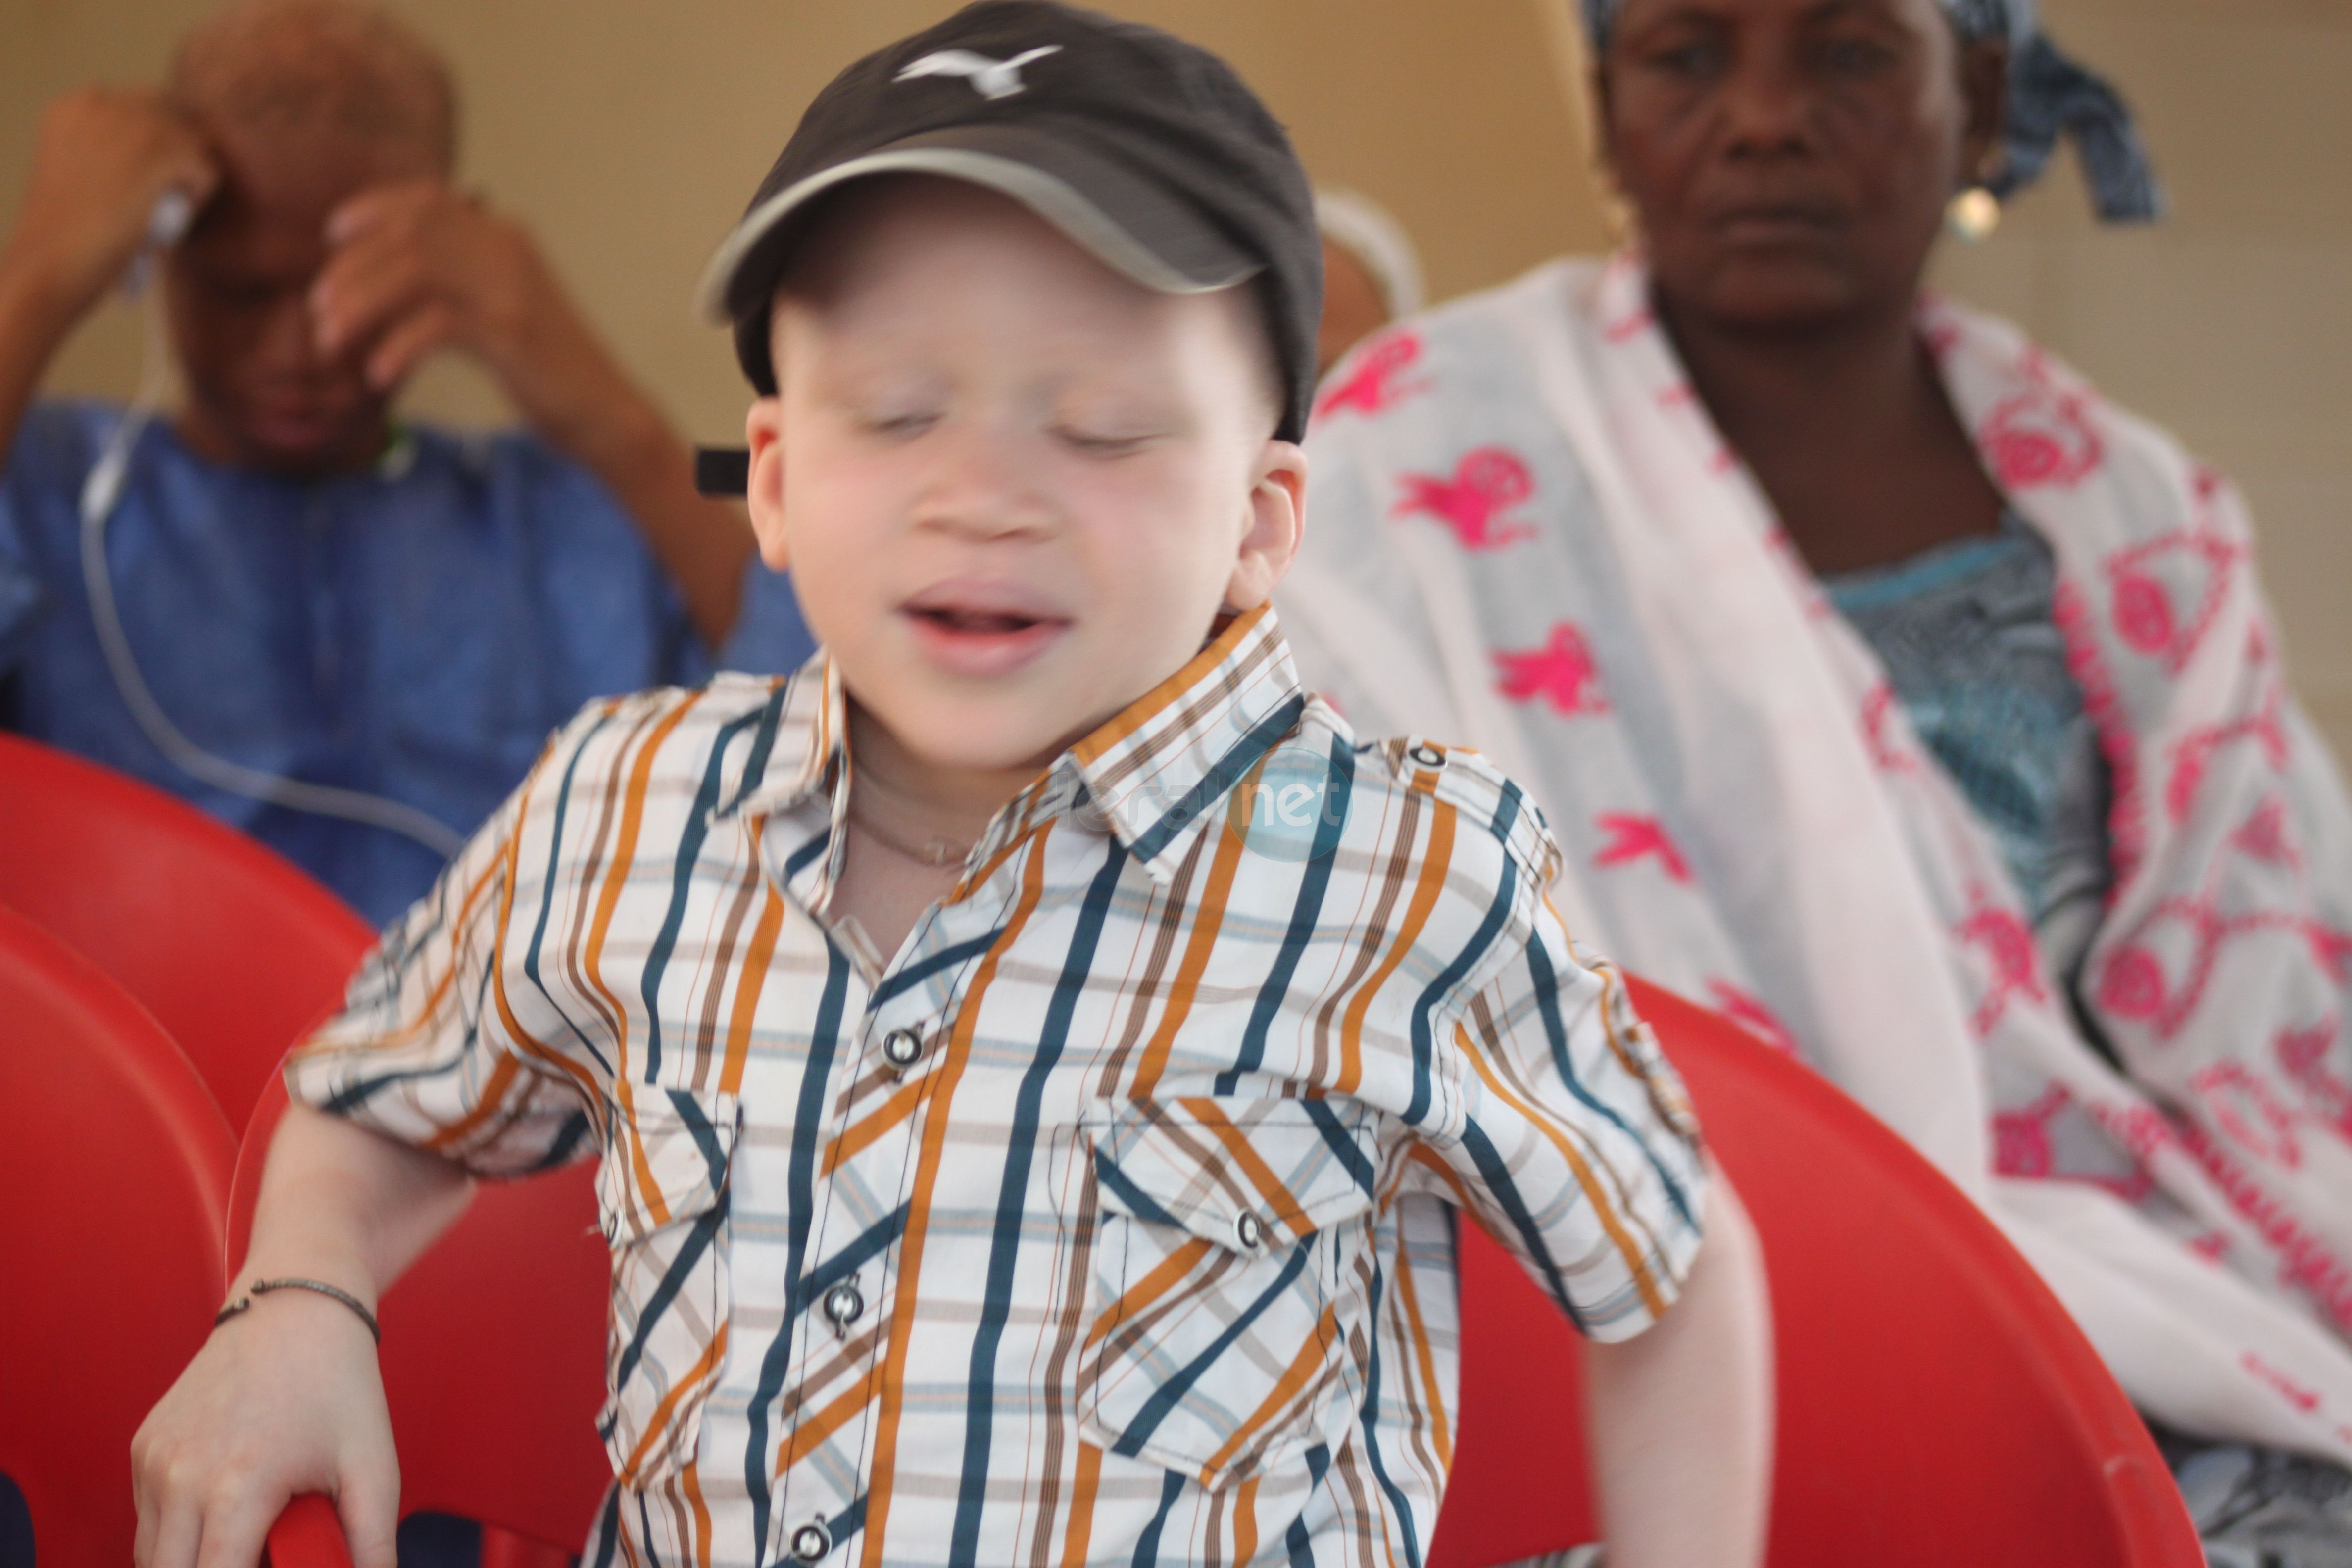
x: 864, y: 1249
x: 608, y: 1527
x: 1013, y: 1202
x: 847, y: 1522
x: 682, y: 866
x: 923, y: 969
x: 797, y: 862
x: 705, y: 1136
x: 1547, y: 988
x: 1147, y: 1545
x: 763, y: 743
x: 555, y: 840
x: 1423, y: 1044
x: 1171, y: 1393
x: 1218, y: 780
x: 1138, y: 1203
x: 1295, y: 1539
x: 699, y: 1240
x: 1342, y: 1141
x: 1306, y: 914
x: 1398, y: 1509
x: 1496, y: 1174
x: 808, y: 1133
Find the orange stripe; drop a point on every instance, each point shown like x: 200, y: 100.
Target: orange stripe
x: 617, y: 877
x: 856, y: 1138
x: 1425, y: 1357
x: 1423, y: 1155
x: 807, y: 1434
x: 1293, y: 1378
x: 1436, y: 862
x: 1261, y: 1175
x: 1077, y: 1537
x: 1640, y: 1269
x: 751, y: 975
x: 1171, y: 1271
x: 690, y: 1481
x: 919, y: 1212
x: 1208, y: 917
x: 1246, y: 1524
x: 659, y: 1422
x: 1169, y: 692
x: 503, y: 1070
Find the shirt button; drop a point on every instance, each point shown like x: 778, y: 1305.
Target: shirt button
x: 843, y: 1304
x: 902, y: 1048
x: 1427, y: 755
x: 811, y: 1542
x: 1250, y: 1231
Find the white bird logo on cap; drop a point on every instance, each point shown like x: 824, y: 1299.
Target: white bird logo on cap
x: 990, y: 79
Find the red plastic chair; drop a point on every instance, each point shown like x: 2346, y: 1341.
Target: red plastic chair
x: 234, y: 949
x: 493, y: 1364
x: 1937, y: 1405
x: 116, y: 1163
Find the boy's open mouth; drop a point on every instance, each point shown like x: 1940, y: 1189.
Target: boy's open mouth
x: 981, y: 631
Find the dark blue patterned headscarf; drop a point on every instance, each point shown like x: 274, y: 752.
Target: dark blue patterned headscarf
x: 2048, y: 95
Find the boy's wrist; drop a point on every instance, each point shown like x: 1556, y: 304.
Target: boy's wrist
x: 258, y: 1288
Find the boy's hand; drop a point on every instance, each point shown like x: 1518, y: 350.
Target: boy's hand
x: 102, y: 158
x: 284, y: 1399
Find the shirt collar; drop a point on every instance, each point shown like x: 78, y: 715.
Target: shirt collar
x: 1153, y: 775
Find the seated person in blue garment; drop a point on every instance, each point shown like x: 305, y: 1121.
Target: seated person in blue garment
x: 307, y: 590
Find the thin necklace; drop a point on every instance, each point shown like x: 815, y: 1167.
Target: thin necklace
x: 936, y: 853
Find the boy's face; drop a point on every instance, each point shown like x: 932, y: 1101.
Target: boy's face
x: 1013, y: 488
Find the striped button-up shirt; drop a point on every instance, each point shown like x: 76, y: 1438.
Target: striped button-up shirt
x: 1108, y: 1221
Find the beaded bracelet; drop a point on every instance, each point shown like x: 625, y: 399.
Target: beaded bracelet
x: 263, y: 1287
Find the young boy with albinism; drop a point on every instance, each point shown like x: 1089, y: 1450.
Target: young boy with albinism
x: 1034, y: 1049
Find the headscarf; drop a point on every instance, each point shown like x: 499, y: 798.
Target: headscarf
x: 2048, y: 95
x: 1370, y: 233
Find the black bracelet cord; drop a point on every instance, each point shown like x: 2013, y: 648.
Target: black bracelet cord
x: 263, y: 1287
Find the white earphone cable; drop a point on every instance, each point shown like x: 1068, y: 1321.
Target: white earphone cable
x: 100, y: 494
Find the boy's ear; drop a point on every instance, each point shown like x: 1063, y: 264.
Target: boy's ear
x: 1277, y: 521
x: 763, y: 432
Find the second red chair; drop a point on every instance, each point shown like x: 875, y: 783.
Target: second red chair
x: 1938, y: 1407
x: 234, y: 949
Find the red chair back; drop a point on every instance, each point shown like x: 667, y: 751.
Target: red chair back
x: 116, y: 1163
x: 1937, y: 1405
x: 234, y: 949
x: 493, y: 1364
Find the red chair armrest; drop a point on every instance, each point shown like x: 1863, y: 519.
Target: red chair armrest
x: 308, y: 1535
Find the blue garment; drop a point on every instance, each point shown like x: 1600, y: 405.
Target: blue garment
x: 414, y: 631
x: 1966, y: 635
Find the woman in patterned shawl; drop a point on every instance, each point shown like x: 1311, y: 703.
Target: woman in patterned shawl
x: 1893, y: 691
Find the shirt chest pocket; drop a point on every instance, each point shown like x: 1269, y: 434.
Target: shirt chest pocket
x: 1232, y: 1280
x: 662, y: 1200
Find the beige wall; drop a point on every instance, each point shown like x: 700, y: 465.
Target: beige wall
x: 630, y: 133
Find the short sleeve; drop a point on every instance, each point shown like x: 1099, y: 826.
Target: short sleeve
x: 443, y: 1042
x: 1578, y: 1150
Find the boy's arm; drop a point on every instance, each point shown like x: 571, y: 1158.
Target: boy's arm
x: 284, y: 1398
x: 1682, y: 1413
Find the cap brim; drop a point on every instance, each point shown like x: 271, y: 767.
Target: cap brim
x: 1133, y: 224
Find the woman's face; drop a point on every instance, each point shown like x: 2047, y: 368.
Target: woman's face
x: 1791, y: 160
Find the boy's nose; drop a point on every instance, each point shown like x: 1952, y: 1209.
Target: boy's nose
x: 984, y: 488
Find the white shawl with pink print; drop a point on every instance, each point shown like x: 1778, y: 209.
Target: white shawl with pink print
x: 1524, y: 534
